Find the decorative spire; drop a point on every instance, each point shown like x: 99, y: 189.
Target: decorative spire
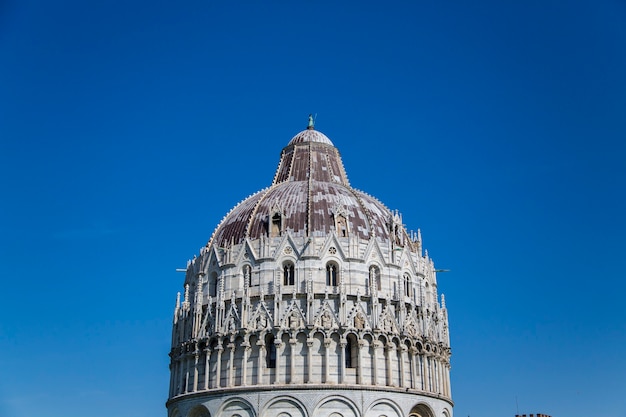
x: 177, y: 309
x: 198, y: 294
x: 186, y: 299
x: 311, y: 125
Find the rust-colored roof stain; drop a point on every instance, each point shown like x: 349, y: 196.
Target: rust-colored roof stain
x: 310, y: 190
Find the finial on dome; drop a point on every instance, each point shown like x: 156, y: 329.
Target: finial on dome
x: 311, y: 125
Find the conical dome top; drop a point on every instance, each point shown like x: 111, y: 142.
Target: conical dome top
x: 310, y: 155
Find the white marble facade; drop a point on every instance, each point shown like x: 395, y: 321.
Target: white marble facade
x: 313, y: 318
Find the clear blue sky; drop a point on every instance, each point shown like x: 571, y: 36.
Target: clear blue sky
x: 129, y: 128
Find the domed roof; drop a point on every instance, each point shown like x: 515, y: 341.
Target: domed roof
x: 310, y: 135
x: 309, y: 197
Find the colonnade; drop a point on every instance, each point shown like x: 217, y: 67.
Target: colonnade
x: 313, y: 358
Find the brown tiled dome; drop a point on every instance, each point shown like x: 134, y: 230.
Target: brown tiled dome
x: 310, y: 196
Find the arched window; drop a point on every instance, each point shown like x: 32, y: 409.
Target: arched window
x: 213, y: 284
x: 351, y: 352
x: 375, y: 277
x: 199, y: 411
x: 421, y: 410
x: 331, y: 274
x: 276, y: 225
x: 270, y: 351
x: 288, y: 274
x: 408, y: 288
x: 341, y: 226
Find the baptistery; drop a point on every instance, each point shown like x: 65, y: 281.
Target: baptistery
x: 310, y: 299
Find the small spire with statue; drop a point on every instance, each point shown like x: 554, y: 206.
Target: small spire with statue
x: 311, y: 125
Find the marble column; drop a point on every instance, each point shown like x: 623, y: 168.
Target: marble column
x: 218, y: 370
x: 326, y: 360
x: 181, y: 374
x: 375, y: 345
x: 359, y: 371
x: 279, y: 353
x: 424, y: 365
x: 292, y: 360
x: 342, y: 360
x: 437, y: 378
x: 195, y: 370
x: 207, y: 366
x: 187, y: 360
x: 231, y: 364
x: 431, y: 373
x: 244, y: 363
x: 413, y: 367
x: 402, y: 354
x: 309, y: 356
x: 261, y: 363
x: 389, y: 347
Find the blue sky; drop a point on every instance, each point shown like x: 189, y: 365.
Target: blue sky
x: 129, y: 128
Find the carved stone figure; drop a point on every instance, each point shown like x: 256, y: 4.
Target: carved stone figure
x: 388, y: 324
x: 359, y: 321
x: 327, y: 320
x: 294, y: 320
x: 261, y: 322
x: 410, y: 328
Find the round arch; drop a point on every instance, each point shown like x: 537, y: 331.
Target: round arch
x: 333, y: 268
x: 336, y: 406
x: 285, y: 406
x: 408, y: 283
x: 236, y: 407
x: 199, y: 411
x: 385, y: 408
x: 421, y: 410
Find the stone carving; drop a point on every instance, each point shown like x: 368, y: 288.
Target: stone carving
x: 327, y: 320
x: 359, y: 321
x: 261, y: 322
x: 388, y: 325
x: 410, y: 328
x: 232, y: 324
x: 294, y: 320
